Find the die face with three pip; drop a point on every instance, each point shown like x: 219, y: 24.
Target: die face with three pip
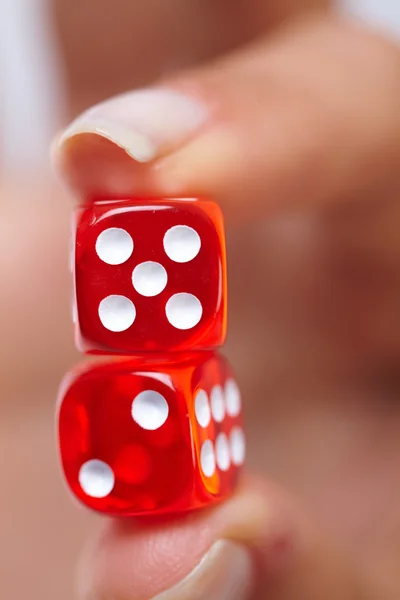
x: 141, y: 437
x: 150, y: 276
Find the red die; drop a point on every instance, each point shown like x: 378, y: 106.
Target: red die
x: 150, y: 276
x: 150, y: 438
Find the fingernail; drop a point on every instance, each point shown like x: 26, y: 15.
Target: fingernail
x: 224, y: 573
x: 146, y: 123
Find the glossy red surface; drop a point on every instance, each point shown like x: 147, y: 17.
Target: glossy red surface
x: 146, y: 223
x: 115, y: 465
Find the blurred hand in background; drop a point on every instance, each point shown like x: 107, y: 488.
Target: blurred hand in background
x: 300, y: 145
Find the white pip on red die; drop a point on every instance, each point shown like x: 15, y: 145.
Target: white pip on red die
x: 139, y: 438
x: 150, y: 276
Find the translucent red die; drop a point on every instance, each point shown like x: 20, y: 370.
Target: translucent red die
x: 150, y: 276
x: 141, y: 438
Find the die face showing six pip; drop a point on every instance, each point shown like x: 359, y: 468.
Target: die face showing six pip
x: 150, y: 276
x: 140, y: 437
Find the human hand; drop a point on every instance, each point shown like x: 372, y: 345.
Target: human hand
x: 298, y: 138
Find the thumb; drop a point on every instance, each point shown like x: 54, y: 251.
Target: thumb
x: 259, y: 544
x: 299, y: 119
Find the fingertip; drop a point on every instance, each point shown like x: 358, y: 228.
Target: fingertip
x: 110, y: 148
x: 92, y: 166
x: 135, y: 560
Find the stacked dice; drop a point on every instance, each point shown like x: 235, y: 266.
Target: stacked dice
x: 158, y: 430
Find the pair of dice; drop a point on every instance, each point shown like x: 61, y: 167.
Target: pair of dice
x: 160, y: 429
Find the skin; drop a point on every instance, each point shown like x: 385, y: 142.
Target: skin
x: 306, y: 120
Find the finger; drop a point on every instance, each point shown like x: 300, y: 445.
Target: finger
x: 306, y: 117
x: 257, y: 545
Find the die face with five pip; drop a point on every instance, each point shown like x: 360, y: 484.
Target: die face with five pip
x: 142, y: 438
x: 150, y: 276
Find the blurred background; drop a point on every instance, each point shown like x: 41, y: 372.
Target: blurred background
x: 57, y: 58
